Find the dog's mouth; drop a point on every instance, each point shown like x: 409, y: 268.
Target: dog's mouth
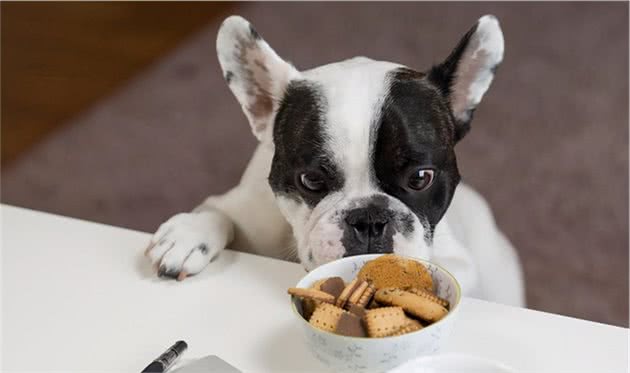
x: 330, y: 252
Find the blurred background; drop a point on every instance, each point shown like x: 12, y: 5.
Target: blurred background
x: 118, y: 113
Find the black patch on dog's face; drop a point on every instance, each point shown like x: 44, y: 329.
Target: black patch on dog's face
x: 299, y: 139
x: 416, y: 130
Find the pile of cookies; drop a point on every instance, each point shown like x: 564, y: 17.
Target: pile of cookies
x: 390, y: 296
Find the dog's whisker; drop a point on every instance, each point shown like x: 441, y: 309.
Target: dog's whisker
x: 289, y: 253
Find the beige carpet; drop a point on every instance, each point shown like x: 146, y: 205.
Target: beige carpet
x: 548, y: 148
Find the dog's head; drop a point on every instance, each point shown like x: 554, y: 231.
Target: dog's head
x: 364, y: 156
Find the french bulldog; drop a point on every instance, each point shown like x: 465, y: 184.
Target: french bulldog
x: 354, y: 157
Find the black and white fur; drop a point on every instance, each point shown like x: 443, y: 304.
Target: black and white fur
x: 354, y: 157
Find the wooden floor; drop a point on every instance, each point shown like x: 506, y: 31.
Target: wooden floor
x: 60, y: 57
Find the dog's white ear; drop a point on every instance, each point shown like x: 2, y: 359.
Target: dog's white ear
x: 467, y: 72
x: 254, y: 72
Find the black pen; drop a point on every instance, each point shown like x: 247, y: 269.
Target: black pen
x: 166, y: 360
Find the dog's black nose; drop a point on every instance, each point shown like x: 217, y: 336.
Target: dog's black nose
x: 368, y: 223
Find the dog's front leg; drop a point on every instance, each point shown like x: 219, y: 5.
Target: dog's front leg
x: 187, y: 242
x: 457, y: 259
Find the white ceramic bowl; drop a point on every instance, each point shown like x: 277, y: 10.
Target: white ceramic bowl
x: 341, y: 353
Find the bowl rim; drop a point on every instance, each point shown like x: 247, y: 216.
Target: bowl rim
x: 458, y: 298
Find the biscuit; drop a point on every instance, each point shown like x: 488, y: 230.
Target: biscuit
x: 413, y: 304
x: 381, y: 322
x: 333, y: 286
x: 367, y: 295
x: 326, y: 316
x: 396, y: 272
x: 350, y: 325
x: 357, y: 310
x: 317, y: 284
x: 313, y: 294
x: 430, y: 296
x: 347, y: 291
x: 408, y: 328
x: 308, y: 306
x: 358, y: 292
x: 373, y: 304
x: 414, y: 324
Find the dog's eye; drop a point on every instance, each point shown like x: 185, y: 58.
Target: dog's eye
x: 421, y: 179
x: 312, y: 182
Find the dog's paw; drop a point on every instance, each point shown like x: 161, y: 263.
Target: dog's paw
x: 185, y: 244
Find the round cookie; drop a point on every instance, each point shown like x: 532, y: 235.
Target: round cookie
x: 392, y: 271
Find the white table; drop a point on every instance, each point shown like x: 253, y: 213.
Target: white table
x: 79, y: 297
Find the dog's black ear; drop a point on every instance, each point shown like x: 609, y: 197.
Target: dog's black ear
x: 256, y: 75
x: 467, y: 72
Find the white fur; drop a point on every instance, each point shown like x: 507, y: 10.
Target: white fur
x: 249, y: 217
x: 490, y: 48
x: 253, y: 72
x: 188, y: 241
x: 474, y: 73
x: 354, y: 90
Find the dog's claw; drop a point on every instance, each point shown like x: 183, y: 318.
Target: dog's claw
x: 161, y: 271
x: 164, y: 271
